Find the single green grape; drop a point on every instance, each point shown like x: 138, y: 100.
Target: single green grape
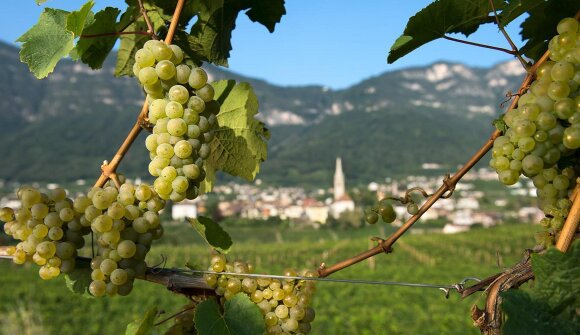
x: 206, y: 93
x: 197, y: 78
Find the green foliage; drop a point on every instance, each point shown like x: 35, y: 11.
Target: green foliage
x: 240, y: 317
x: 40, y: 2
x: 127, y: 49
x: 499, y: 124
x: 440, y: 18
x: 143, y: 325
x: 541, y: 24
x: 52, y: 38
x: 46, y: 42
x: 552, y: 303
x: 76, y: 21
x: 410, y: 311
x: 515, y: 8
x: 78, y: 281
x: 240, y: 142
x: 212, y: 233
x: 93, y: 51
x: 211, y: 34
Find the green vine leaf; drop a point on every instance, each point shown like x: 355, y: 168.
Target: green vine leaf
x: 40, y: 2
x: 499, y: 124
x: 144, y: 325
x: 94, y: 51
x: 240, y: 142
x: 212, y: 32
x: 212, y: 233
x: 540, y: 26
x: 77, y: 20
x: 129, y: 46
x: 268, y: 13
x: 241, y: 317
x: 439, y: 18
x: 46, y: 42
x: 78, y: 281
x: 515, y: 8
x: 553, y: 301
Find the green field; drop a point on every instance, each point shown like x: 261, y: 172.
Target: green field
x: 28, y: 303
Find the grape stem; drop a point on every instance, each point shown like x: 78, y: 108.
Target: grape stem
x: 511, y: 52
x: 150, y: 29
x: 107, y: 170
x: 448, y: 184
x: 116, y: 33
x: 515, y: 50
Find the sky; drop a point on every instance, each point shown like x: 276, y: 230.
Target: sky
x: 334, y: 43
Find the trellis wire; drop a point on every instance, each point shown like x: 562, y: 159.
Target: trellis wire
x: 445, y: 288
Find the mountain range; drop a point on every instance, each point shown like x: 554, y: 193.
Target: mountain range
x: 63, y: 127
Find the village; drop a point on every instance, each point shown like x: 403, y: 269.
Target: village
x: 469, y: 206
x: 317, y: 207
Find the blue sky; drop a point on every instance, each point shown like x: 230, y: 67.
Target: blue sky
x: 335, y: 43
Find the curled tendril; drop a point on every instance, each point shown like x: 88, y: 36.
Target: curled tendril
x: 157, y: 268
x: 450, y: 187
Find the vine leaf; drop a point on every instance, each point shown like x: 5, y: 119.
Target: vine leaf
x: 499, y: 124
x: 439, y: 18
x: 46, y: 42
x: 240, y: 142
x: 40, y: 2
x: 76, y: 21
x: 267, y: 13
x: 94, y: 51
x: 129, y: 46
x: 515, y: 8
x: 211, y: 34
x: 133, y: 42
x: 541, y: 24
x: 552, y: 302
x: 52, y: 38
x: 212, y: 233
x: 78, y: 281
x: 241, y: 317
x: 144, y: 325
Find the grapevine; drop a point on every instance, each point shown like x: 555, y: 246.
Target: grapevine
x: 116, y: 221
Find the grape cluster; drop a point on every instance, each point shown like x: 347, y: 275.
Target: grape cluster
x: 543, y: 132
x: 183, y: 113
x: 384, y: 209
x: 284, y: 303
x: 50, y: 229
x: 124, y: 222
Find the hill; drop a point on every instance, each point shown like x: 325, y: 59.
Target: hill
x: 63, y: 127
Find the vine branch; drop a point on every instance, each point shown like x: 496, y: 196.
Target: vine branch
x: 448, y: 184
x: 150, y: 28
x: 568, y: 232
x: 515, y: 50
x: 172, y: 279
x: 109, y: 169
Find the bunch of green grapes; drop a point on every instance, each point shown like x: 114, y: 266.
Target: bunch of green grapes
x: 543, y: 132
x: 50, y: 229
x: 384, y: 210
x: 182, y: 111
x: 124, y: 222
x: 284, y: 303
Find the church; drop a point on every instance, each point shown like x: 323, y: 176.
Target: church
x: 342, y: 202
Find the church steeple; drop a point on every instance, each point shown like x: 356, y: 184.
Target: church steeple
x: 339, y: 187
